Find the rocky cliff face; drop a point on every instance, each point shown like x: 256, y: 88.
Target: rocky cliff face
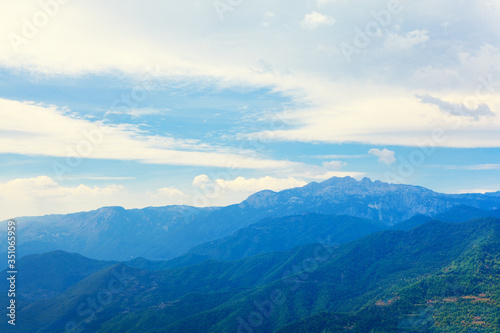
x: 389, y: 203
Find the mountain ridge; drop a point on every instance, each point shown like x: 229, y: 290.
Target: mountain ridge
x: 115, y: 233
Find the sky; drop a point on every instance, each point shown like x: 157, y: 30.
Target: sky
x: 204, y: 102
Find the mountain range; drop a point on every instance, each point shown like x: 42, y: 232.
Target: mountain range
x: 114, y: 233
x: 338, y: 256
x: 437, y: 277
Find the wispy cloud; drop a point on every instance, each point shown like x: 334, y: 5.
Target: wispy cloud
x: 43, y: 195
x: 315, y: 19
x: 395, y: 41
x: 482, y: 191
x: 325, y: 90
x: 476, y: 167
x: 334, y: 165
x: 338, y: 156
x: 482, y: 110
x: 61, y: 135
x: 109, y: 178
x: 137, y: 113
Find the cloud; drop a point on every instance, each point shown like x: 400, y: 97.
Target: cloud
x: 242, y: 184
x: 170, y: 192
x: 476, y: 190
x: 325, y: 2
x: 133, y: 38
x: 384, y: 156
x: 411, y: 39
x: 137, y: 113
x: 200, y: 181
x: 315, y: 19
x: 45, y: 187
x: 334, y: 165
x: 30, y: 129
x: 461, y: 110
x: 248, y: 185
x: 43, y: 195
x: 109, y: 178
x: 383, y: 116
x: 320, y: 174
x: 327, y: 157
x: 476, y: 167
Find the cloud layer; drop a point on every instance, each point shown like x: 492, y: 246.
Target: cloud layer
x: 293, y: 49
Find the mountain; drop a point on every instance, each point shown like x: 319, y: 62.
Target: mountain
x: 464, y: 213
x: 437, y: 277
x: 107, y: 233
x: 457, y: 214
x: 413, y: 222
x: 271, y: 235
x: 389, y: 203
x: 47, y: 275
x: 285, y: 233
x: 113, y: 233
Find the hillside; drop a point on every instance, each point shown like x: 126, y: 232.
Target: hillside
x: 48, y: 275
x: 390, y: 276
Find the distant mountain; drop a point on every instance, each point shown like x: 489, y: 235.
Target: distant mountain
x: 464, y: 213
x: 113, y: 233
x: 106, y: 233
x: 413, y: 222
x: 438, y: 277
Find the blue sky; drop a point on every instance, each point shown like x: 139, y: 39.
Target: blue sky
x: 204, y: 102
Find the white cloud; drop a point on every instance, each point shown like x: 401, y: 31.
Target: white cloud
x: 242, y: 184
x: 384, y: 156
x: 31, y: 129
x: 327, y: 157
x: 476, y: 190
x: 43, y: 195
x: 411, y: 39
x: 325, y: 2
x: 315, y: 19
x: 246, y: 185
x: 46, y: 187
x: 334, y: 165
x: 170, y: 192
x: 136, y: 113
x: 458, y: 109
x: 201, y: 181
x: 476, y: 167
x: 109, y: 178
x: 132, y: 38
x: 386, y: 116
